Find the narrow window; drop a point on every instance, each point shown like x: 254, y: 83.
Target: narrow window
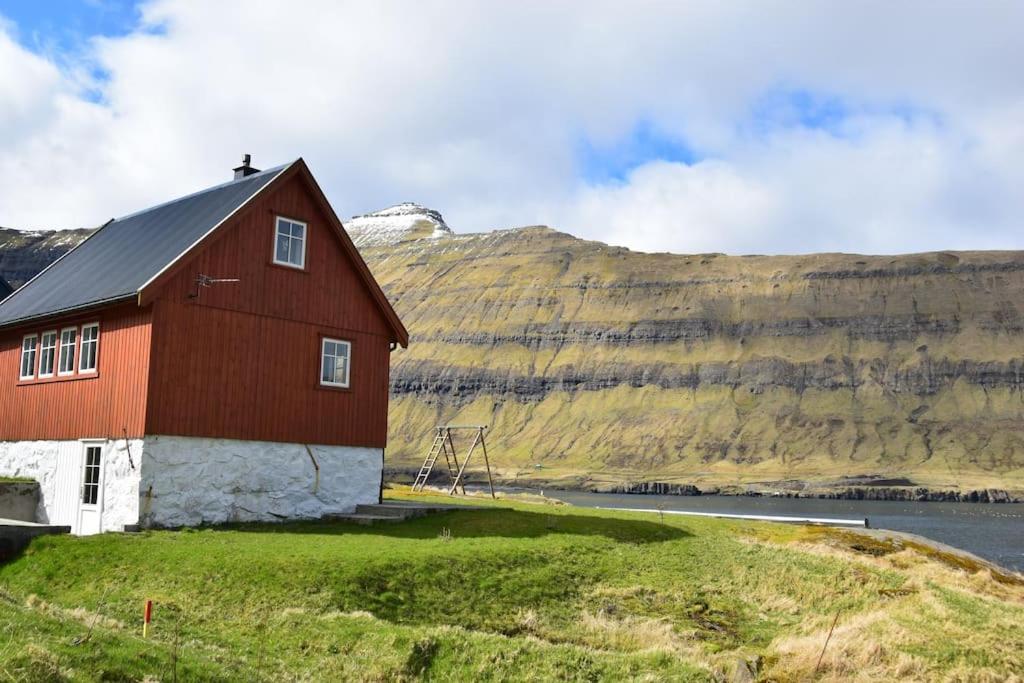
x: 334, y: 365
x: 90, y: 347
x: 91, y: 480
x: 66, y: 364
x: 290, y: 243
x: 47, y: 350
x: 28, y: 356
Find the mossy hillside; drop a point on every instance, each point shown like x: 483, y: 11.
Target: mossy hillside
x: 834, y: 364
x: 538, y: 592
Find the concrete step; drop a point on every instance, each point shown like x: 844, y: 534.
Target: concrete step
x: 366, y: 519
x: 388, y: 510
x: 440, y: 507
x: 398, y: 511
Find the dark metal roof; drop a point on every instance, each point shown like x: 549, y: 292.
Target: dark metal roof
x: 117, y: 260
x: 5, y: 289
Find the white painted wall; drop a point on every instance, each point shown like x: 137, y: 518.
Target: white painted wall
x: 39, y: 460
x: 185, y: 481
x: 188, y: 480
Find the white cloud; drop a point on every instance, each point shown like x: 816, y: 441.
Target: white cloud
x: 476, y: 108
x: 666, y: 204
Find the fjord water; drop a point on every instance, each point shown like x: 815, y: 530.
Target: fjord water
x: 992, y: 531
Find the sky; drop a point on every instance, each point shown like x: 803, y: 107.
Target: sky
x: 767, y: 127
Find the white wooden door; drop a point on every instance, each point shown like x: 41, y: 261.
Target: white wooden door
x: 68, y: 483
x: 90, y: 510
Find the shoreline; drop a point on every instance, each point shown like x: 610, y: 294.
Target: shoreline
x: 873, y: 488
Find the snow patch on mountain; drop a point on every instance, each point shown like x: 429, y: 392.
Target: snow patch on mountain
x: 399, y: 223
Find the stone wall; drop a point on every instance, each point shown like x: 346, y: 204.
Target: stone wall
x: 38, y: 460
x: 182, y: 481
x: 188, y: 481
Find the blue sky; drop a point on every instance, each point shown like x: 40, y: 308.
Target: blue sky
x: 603, y: 162
x: 695, y: 126
x: 64, y: 25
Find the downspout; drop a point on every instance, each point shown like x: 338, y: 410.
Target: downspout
x: 380, y: 496
x: 316, y: 467
x: 128, y: 448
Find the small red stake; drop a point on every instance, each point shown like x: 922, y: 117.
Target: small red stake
x: 146, y: 617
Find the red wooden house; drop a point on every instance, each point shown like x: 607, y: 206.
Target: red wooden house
x: 223, y: 356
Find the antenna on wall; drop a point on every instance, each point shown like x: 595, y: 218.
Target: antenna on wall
x: 205, y: 281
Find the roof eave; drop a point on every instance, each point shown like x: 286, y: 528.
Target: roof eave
x: 103, y: 303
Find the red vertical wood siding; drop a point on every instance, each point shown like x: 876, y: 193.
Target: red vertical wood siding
x: 100, y: 406
x: 242, y: 359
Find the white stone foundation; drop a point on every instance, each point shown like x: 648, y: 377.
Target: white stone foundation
x: 188, y: 481
x: 42, y: 461
x: 185, y: 481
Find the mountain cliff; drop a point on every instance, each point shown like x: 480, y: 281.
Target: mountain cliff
x: 25, y: 253
x: 588, y: 359
x: 597, y: 363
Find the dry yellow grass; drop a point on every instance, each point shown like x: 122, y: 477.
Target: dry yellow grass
x: 941, y: 593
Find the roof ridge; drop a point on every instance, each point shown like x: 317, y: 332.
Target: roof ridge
x: 221, y: 186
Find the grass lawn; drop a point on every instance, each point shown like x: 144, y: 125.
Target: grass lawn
x: 538, y: 592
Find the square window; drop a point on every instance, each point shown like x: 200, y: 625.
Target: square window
x: 90, y: 348
x: 290, y: 243
x: 66, y: 361
x: 47, y: 351
x: 28, y: 356
x: 335, y: 357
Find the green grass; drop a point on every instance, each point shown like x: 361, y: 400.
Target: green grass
x: 539, y: 592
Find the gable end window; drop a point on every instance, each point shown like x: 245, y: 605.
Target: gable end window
x: 28, y: 356
x: 335, y: 361
x: 47, y: 351
x: 66, y: 364
x: 290, y: 243
x: 90, y: 346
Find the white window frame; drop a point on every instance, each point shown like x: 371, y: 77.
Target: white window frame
x: 60, y: 355
x: 96, y: 486
x: 81, y: 349
x: 35, y: 356
x: 348, y: 366
x: 304, y: 240
x: 53, y: 353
